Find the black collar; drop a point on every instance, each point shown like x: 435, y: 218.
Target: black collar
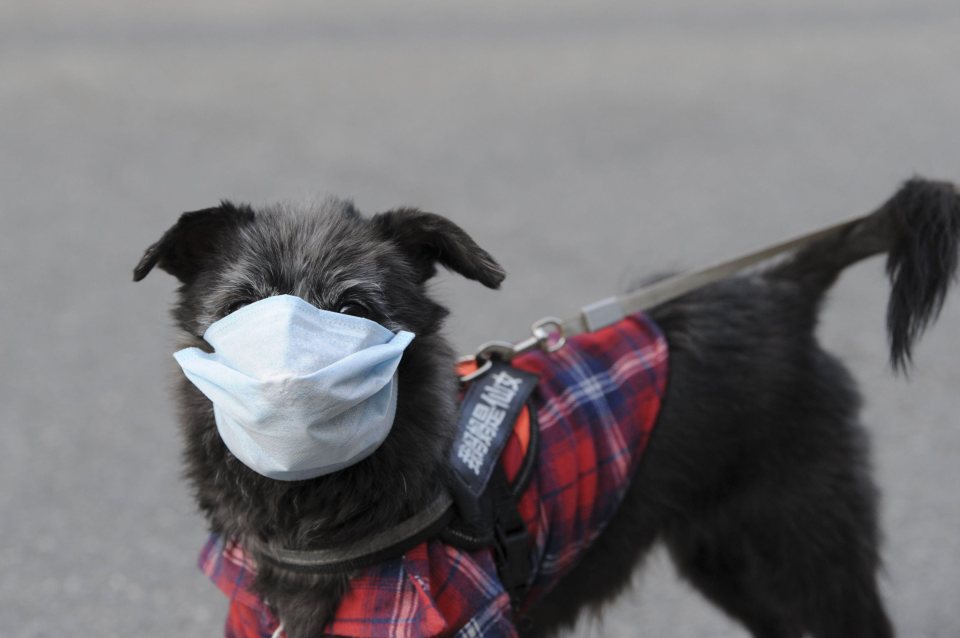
x: 371, y: 550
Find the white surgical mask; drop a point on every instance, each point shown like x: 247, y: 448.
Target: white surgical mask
x: 298, y: 392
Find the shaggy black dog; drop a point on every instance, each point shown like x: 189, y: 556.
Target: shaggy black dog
x: 756, y: 478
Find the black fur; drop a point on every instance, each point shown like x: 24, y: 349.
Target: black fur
x: 757, y: 477
x: 922, y: 261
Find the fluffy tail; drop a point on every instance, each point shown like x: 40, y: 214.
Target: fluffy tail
x: 919, y: 229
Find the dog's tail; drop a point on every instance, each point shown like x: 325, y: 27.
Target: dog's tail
x: 919, y: 229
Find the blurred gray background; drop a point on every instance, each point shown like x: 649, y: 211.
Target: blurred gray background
x: 583, y: 144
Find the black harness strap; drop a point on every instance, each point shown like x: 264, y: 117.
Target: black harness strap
x: 486, y: 502
x: 511, y: 546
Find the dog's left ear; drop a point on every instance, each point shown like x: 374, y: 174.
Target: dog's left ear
x: 429, y: 239
x: 193, y: 239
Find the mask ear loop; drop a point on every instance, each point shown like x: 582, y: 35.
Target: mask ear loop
x: 278, y: 633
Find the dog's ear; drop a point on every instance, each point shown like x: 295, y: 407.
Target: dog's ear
x: 183, y: 248
x: 428, y: 239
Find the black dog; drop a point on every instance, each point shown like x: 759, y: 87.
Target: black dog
x: 756, y: 478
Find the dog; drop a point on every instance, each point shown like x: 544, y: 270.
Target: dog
x: 756, y: 477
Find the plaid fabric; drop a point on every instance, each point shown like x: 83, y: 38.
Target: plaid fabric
x: 597, y: 403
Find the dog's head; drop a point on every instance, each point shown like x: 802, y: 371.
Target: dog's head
x: 230, y: 256
x: 338, y: 260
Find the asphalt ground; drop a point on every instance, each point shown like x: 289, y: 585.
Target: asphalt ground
x: 582, y: 144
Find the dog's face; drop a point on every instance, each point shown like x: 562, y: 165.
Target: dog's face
x: 338, y: 260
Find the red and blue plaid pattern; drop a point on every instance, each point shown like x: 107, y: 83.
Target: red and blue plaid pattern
x: 597, y: 403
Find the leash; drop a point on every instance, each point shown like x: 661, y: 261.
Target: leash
x: 551, y: 333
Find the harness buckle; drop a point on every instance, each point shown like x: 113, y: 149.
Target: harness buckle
x: 512, y: 547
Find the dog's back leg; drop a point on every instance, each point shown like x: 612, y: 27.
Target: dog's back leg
x: 724, y: 568
x: 761, y: 460
x: 776, y: 519
x: 785, y: 567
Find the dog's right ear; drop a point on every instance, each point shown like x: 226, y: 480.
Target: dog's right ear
x: 429, y: 239
x: 192, y: 239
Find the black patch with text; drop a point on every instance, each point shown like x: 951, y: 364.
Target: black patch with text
x: 487, y: 414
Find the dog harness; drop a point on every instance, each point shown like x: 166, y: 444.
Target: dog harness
x: 588, y: 421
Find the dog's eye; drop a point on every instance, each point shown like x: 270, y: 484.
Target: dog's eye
x: 232, y: 308
x: 355, y: 309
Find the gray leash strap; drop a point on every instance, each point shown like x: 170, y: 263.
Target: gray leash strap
x: 550, y: 333
x: 612, y: 309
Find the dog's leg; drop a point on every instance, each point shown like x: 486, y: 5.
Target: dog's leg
x: 760, y: 459
x: 724, y: 568
x: 776, y: 514
x: 786, y: 566
x: 866, y: 618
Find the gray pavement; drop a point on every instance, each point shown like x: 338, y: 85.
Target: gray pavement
x: 582, y: 143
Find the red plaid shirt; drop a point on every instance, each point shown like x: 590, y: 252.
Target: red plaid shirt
x: 597, y: 403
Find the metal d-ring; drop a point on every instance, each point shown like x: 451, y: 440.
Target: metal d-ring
x: 484, y: 357
x: 479, y: 372
x: 499, y: 350
x: 549, y: 334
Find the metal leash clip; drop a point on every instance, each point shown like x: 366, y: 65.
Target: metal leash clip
x: 547, y: 334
